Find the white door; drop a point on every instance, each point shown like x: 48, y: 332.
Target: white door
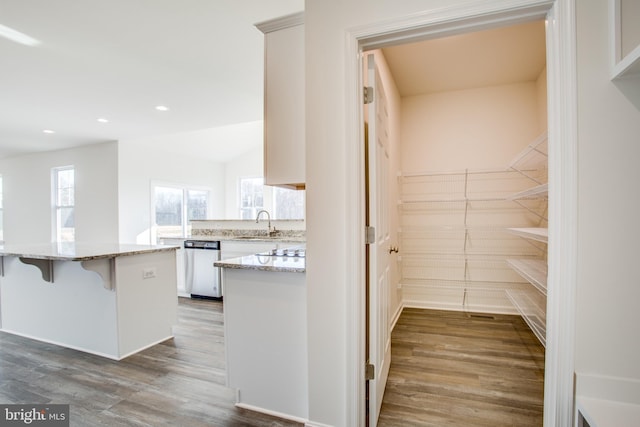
x: 379, y: 342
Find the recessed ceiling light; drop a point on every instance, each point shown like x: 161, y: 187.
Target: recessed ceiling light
x: 103, y: 120
x: 162, y: 108
x: 17, y: 36
x: 49, y: 131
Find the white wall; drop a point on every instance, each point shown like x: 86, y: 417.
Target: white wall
x: 139, y: 166
x: 608, y: 292
x: 329, y: 193
x: 609, y: 125
x: 249, y: 164
x: 481, y: 128
x: 28, y: 202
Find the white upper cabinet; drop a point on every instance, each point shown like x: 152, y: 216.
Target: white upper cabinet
x: 284, y: 110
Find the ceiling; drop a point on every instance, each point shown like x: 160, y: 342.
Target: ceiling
x: 119, y: 59
x: 499, y: 56
x: 203, y: 59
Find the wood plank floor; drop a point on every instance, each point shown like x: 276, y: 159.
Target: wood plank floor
x: 451, y: 369
x: 447, y: 370
x: 177, y: 383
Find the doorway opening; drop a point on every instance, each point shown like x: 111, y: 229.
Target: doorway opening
x: 467, y: 152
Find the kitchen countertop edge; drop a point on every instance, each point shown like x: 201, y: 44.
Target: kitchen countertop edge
x: 81, y: 252
x: 264, y: 263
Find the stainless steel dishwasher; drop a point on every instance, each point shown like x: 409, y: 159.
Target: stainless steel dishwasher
x: 202, y: 279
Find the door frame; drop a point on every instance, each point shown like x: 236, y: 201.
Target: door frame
x: 563, y: 162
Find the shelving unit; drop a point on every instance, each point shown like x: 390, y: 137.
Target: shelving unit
x: 456, y: 241
x: 531, y: 303
x: 534, y: 270
x: 532, y: 311
x: 538, y: 234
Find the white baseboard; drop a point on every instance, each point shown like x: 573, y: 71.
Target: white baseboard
x: 433, y: 305
x: 616, y: 389
x: 396, y: 316
x: 272, y: 413
x: 312, y: 424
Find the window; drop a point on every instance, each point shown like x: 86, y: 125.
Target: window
x: 288, y: 204
x: 175, y: 206
x: 251, y: 197
x: 64, y: 203
x: 282, y: 203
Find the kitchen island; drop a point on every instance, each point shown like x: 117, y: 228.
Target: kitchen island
x: 112, y: 300
x: 265, y: 319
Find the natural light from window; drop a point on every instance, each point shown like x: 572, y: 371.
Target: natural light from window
x: 64, y: 204
x: 281, y: 203
x: 176, y: 206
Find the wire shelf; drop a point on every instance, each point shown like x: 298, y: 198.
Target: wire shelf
x: 461, y: 236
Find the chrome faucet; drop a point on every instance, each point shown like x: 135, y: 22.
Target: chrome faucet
x: 268, y: 219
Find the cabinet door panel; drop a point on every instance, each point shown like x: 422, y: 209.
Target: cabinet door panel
x: 284, y: 149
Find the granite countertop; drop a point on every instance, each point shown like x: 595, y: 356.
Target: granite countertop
x: 71, y: 251
x: 292, y: 236
x: 287, y: 264
x: 250, y: 235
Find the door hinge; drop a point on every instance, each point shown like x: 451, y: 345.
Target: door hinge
x: 369, y: 372
x: 370, y: 235
x: 368, y: 94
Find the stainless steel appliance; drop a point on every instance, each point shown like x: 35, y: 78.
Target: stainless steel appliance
x: 202, y: 280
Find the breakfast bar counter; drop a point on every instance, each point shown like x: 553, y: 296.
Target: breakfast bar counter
x: 111, y: 300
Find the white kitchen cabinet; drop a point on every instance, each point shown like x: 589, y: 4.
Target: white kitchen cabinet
x: 265, y: 320
x: 180, y: 262
x: 284, y: 111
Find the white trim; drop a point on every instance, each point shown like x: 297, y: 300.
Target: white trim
x: 83, y: 349
x: 450, y: 20
x: 396, y: 317
x: 281, y: 23
x: 563, y: 208
x: 355, y: 237
x: 563, y: 177
x: 313, y: 424
x: 479, y: 308
x: 605, y: 413
x: 272, y: 413
x: 617, y: 389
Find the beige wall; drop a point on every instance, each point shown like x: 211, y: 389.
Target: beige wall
x: 481, y: 128
x: 541, y: 98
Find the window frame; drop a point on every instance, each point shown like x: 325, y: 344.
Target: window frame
x: 256, y: 209
x: 269, y: 198
x: 184, y: 188
x: 56, y: 229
